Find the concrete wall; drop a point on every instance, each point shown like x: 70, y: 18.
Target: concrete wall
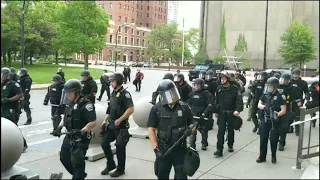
x: 248, y: 17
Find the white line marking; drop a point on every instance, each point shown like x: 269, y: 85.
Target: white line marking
x: 37, y: 124
x: 39, y: 131
x: 42, y: 141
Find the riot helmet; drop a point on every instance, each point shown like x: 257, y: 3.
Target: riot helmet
x: 59, y: 70
x: 202, y: 74
x: 209, y: 75
x: 232, y: 77
x: 168, y: 76
x: 262, y: 76
x: 178, y: 71
x: 296, y: 74
x: 57, y: 79
x: 85, y: 75
x: 138, y: 70
x: 277, y: 75
x: 285, y: 79
x: 118, y: 78
x: 224, y: 77
x: 168, y: 92
x: 13, y: 71
x: 198, y: 84
x: 179, y: 77
x: 72, y: 85
x: 271, y: 85
x: 23, y: 72
x: 106, y: 77
x: 5, y: 74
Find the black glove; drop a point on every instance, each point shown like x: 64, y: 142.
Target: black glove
x: 187, y: 132
x: 76, y: 133
x: 57, y: 132
x: 102, y: 129
x: 153, y: 102
x: 158, y: 153
x: 247, y: 105
x: 45, y: 102
x: 202, y: 116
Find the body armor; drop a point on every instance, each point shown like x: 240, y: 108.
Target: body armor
x: 73, y: 114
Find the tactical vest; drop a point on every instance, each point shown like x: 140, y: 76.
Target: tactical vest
x: 285, y: 91
x: 7, y: 92
x: 171, y: 124
x: 116, y: 110
x: 198, y: 100
x: 73, y: 118
x: 55, y: 94
x: 271, y: 101
x: 22, y: 82
x: 258, y: 90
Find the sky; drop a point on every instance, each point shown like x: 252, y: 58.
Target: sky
x: 190, y: 11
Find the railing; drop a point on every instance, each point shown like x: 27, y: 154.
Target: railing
x: 301, y: 123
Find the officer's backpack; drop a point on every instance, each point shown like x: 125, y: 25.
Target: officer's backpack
x: 238, y: 123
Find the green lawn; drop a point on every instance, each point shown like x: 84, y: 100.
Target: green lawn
x: 43, y: 73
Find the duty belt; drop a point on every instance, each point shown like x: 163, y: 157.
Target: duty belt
x: 226, y: 112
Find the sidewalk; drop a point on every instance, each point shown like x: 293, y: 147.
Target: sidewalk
x: 45, y: 86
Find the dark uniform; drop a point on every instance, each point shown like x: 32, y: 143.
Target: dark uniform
x: 211, y: 85
x: 256, y: 92
x: 249, y: 103
x: 54, y: 96
x: 120, y: 101
x: 15, y: 77
x: 292, y: 98
x: 314, y: 90
x: 202, y: 74
x: 303, y: 89
x: 234, y: 82
x: 105, y: 83
x: 25, y: 82
x: 270, y: 126
x: 156, y: 93
x: 76, y: 142
x: 89, y: 86
x: 13, y: 74
x: 183, y: 87
x: 200, y: 102
x: 61, y: 73
x: 171, y: 118
x: 9, y: 89
x: 228, y: 100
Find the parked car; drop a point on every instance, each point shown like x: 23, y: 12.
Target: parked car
x: 194, y: 72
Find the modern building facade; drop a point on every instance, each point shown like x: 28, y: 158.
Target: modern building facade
x: 248, y: 18
x: 173, y: 11
x: 129, y: 25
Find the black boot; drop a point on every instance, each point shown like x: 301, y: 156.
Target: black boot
x: 218, y: 153
x: 204, y: 147
x: 255, y: 129
x: 108, y: 169
x: 260, y: 160
x: 117, y: 173
x: 274, y: 160
x: 281, y: 147
x: 230, y: 149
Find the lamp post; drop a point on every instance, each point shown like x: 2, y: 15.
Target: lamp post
x: 116, y: 47
x: 265, y: 39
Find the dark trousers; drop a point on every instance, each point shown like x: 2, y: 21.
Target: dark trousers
x: 104, y: 88
x: 25, y: 104
x: 12, y: 117
x: 108, y: 137
x: 254, y: 110
x: 267, y: 129
x: 175, y: 159
x: 137, y: 84
x: 128, y: 76
x: 72, y: 159
x: 297, y: 119
x: 202, y: 128
x: 210, y: 121
x: 225, y: 121
x: 55, y: 116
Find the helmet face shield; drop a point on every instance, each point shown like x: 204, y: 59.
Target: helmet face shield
x: 169, y: 96
x: 176, y: 79
x: 201, y: 76
x: 196, y: 87
x: 284, y: 81
x: 268, y: 88
x: 208, y: 77
x: 295, y: 76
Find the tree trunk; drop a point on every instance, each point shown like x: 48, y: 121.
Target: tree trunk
x: 65, y: 59
x: 15, y: 57
x: 46, y: 58
x: 25, y: 59
x: 300, y: 65
x: 57, y: 57
x: 30, y: 60
x: 4, y: 58
x: 9, y: 58
x: 86, y: 56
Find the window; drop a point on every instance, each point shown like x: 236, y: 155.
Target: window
x: 155, y: 8
x: 125, y: 19
x: 140, y: 24
x: 120, y: 28
x: 132, y: 42
x: 141, y: 7
x: 132, y: 20
x: 138, y: 33
x: 126, y: 40
x: 161, y: 16
x: 100, y: 55
x: 119, y: 6
x: 158, y: 16
x: 164, y: 4
x: 119, y: 40
x: 124, y: 7
x: 159, y: 9
x: 147, y: 7
x: 164, y: 17
x: 143, y: 34
x: 132, y: 9
x: 147, y: 14
x: 119, y: 19
x: 137, y: 6
x: 138, y: 42
x: 110, y: 39
x: 147, y: 24
x: 126, y: 30
x: 110, y: 55
x: 165, y: 10
x: 155, y: 14
x: 111, y: 5
x: 132, y: 31
x: 128, y: 8
x: 143, y: 42
x: 111, y: 17
x: 78, y: 56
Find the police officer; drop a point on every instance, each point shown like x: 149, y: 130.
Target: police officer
x: 13, y: 74
x: 116, y: 124
x: 210, y: 85
x: 105, y: 83
x: 292, y: 102
x: 277, y: 75
x: 178, y: 71
x: 80, y: 117
x: 183, y: 87
x: 249, y: 103
x: 156, y: 93
x: 314, y: 90
x: 202, y: 74
x: 90, y: 87
x: 200, y: 101
x: 274, y: 106
x: 303, y: 89
x: 54, y: 96
x: 228, y: 104
x: 15, y: 77
x: 170, y: 118
x: 256, y: 92
x: 234, y: 82
x: 25, y: 82
x: 11, y: 93
x: 61, y: 73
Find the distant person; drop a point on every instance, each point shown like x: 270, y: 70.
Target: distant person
x: 137, y: 81
x: 125, y: 75
x: 129, y: 73
x: 61, y: 73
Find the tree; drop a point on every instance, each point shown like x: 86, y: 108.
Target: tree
x: 298, y: 44
x: 201, y: 55
x: 223, y: 34
x: 84, y: 25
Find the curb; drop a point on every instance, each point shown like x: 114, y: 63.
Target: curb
x: 45, y: 86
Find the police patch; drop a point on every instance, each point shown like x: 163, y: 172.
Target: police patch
x: 128, y: 95
x: 89, y: 107
x: 180, y: 113
x: 283, y: 97
x: 17, y: 84
x: 275, y: 97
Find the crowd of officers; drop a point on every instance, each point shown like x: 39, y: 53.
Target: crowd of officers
x: 181, y: 111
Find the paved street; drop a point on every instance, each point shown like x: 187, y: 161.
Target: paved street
x: 42, y: 156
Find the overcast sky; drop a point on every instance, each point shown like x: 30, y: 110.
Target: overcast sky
x: 190, y: 11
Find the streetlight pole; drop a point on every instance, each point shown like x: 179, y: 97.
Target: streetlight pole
x: 22, y: 34
x: 265, y: 39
